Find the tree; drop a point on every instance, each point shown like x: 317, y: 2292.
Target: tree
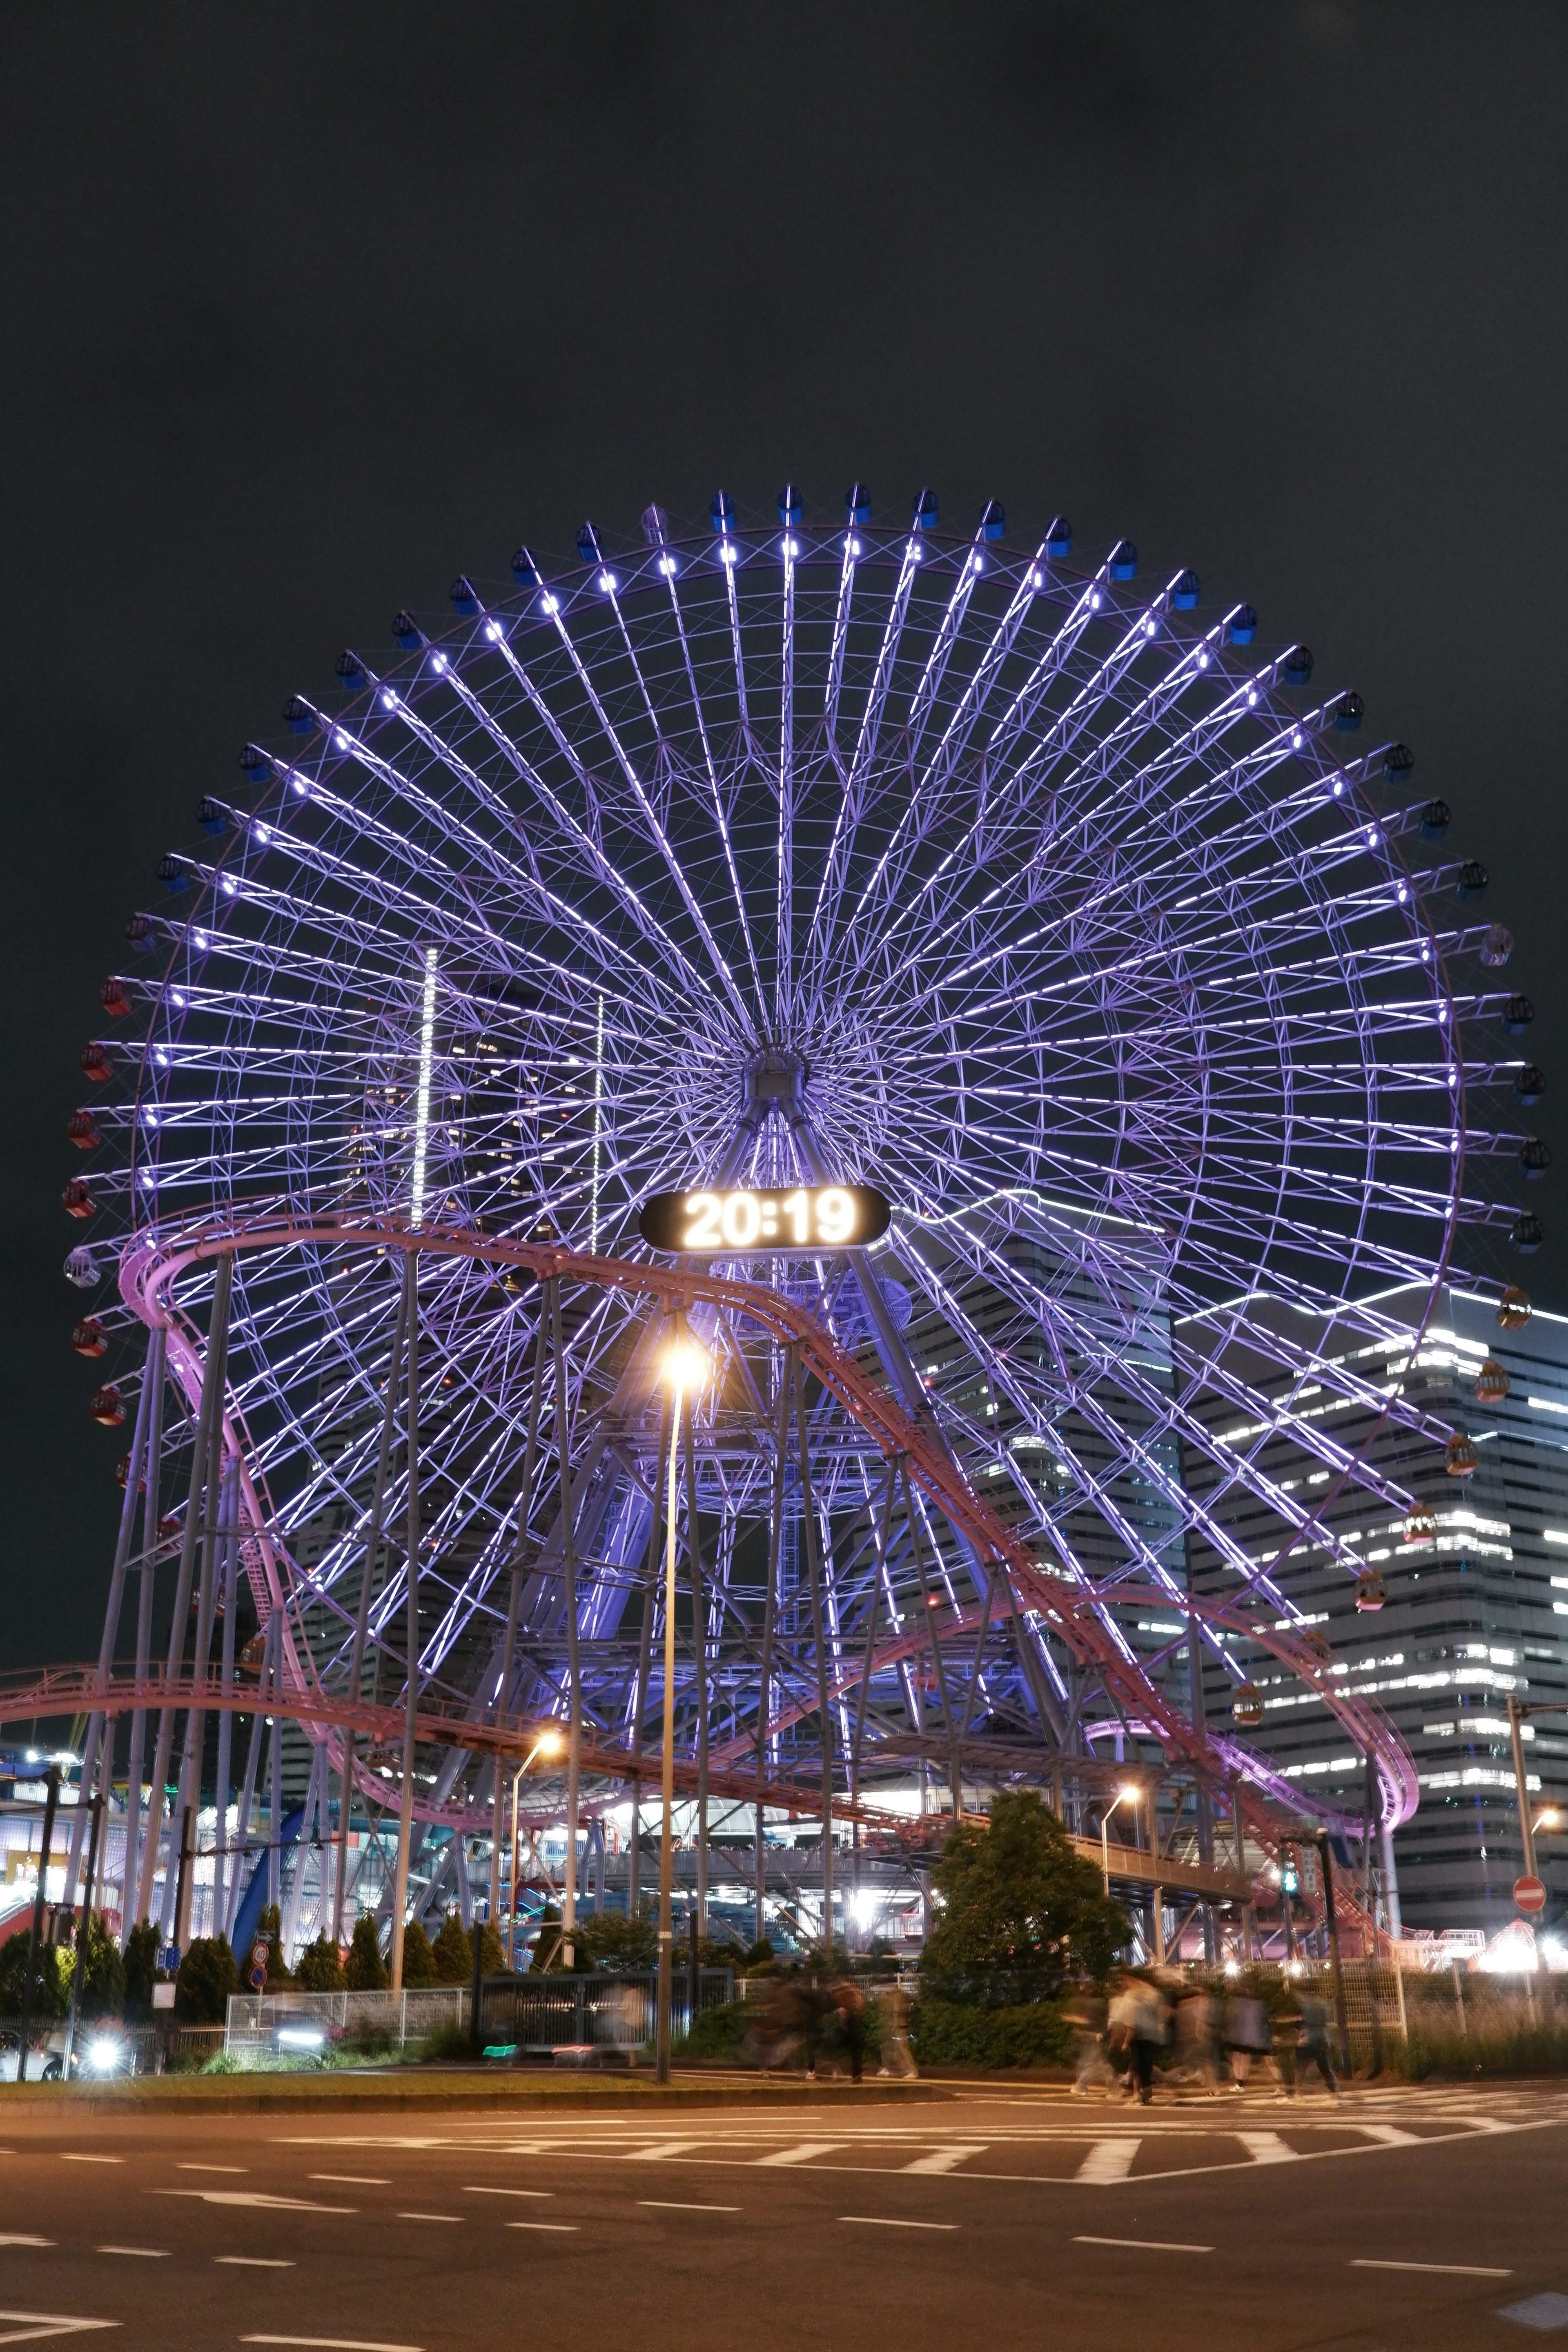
x: 51, y: 1979
x: 206, y: 1978
x: 280, y: 1975
x: 493, y: 1951
x: 141, y: 1966
x: 612, y: 1940
x: 103, y: 1972
x: 364, y: 1969
x: 1019, y: 1910
x: 419, y: 1959
x: 319, y: 1968
x: 452, y: 1952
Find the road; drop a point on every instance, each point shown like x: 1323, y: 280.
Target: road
x: 998, y: 2218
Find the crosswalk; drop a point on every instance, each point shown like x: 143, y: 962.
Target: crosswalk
x: 1010, y: 2138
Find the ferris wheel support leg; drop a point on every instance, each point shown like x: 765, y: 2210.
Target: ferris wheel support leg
x: 569, y: 1570
x: 210, y: 1393
x: 508, y: 1647
x: 129, y: 1914
x: 367, y: 1591
x: 231, y: 1574
x: 788, y: 1372
x: 247, y: 1796
x: 215, y: 1384
x: 645, y: 1652
x: 406, y: 1807
x: 699, y: 1658
x: 95, y: 1730
x: 818, y: 1635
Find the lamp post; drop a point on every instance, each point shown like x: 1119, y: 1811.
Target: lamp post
x: 547, y: 1744
x: 685, y: 1363
x: 1127, y: 1796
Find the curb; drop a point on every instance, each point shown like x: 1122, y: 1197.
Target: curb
x: 227, y: 2097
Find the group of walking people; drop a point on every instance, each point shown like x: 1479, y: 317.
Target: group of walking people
x: 1197, y: 2040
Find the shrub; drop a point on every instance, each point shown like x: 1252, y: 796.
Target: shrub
x: 718, y: 2032
x: 365, y: 1971
x: 612, y: 1940
x: 452, y: 1951
x: 103, y: 1972
x: 206, y: 1978
x: 966, y: 2033
x: 280, y: 1975
x: 319, y: 1968
x: 141, y: 1966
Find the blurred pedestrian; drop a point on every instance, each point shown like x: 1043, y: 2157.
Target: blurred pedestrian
x: 1247, y: 2035
x: 1148, y: 2032
x: 1086, y: 2014
x: 1196, y: 2057
x: 1286, y: 2036
x: 1315, y: 2048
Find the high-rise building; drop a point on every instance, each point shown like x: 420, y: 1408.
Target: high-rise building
x: 1459, y: 1604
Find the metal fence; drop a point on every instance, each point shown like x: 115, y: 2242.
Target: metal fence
x: 384, y: 2020
x: 536, y: 2013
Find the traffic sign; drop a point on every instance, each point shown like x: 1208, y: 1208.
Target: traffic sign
x: 258, y: 1952
x: 1530, y: 1895
x: 169, y: 1959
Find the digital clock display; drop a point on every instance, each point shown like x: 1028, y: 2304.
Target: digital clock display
x: 729, y: 1223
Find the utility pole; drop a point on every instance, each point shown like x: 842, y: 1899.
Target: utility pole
x: 51, y: 1799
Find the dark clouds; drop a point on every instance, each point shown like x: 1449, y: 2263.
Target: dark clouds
x: 306, y: 310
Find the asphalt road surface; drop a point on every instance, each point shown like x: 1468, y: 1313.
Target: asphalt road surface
x: 1431, y: 2218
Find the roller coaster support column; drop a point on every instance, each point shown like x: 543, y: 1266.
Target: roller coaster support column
x: 786, y: 1390
x: 699, y: 1658
x: 131, y: 1872
x: 819, y: 1636
x: 667, y: 1834
x: 112, y: 1615
x: 209, y: 1410
x: 367, y: 1591
x: 36, y: 1933
x: 1325, y: 1863
x: 406, y: 1809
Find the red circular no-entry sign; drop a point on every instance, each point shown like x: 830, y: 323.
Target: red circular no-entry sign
x: 1530, y: 1895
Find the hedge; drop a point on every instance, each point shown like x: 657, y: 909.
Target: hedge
x: 954, y: 2033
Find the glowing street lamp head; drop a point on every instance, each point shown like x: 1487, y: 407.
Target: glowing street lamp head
x: 685, y: 1362
x: 1129, y: 1795
x: 548, y: 1744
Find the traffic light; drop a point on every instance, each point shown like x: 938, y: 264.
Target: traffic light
x: 1289, y: 1876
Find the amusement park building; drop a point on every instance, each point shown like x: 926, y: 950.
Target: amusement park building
x: 1472, y: 1613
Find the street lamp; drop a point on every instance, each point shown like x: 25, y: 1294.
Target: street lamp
x: 547, y: 1744
x: 1127, y: 1796
x: 685, y: 1367
x: 1551, y: 1819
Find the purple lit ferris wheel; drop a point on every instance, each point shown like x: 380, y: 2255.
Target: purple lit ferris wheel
x: 760, y: 864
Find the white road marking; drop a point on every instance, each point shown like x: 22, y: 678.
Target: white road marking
x: 332, y: 2343
x: 653, y: 2154
x: 254, y: 2262
x: 92, y: 2159
x: 48, y: 2323
x: 678, y: 2205
x: 1389, y: 2134
x: 430, y: 2217
x: 563, y: 2229
x: 253, y: 2197
x: 212, y: 2168
x: 1147, y: 2245
x: 1108, y: 2160
x: 803, y: 2151
x: 1449, y: 2270
x: 887, y: 2221
x: 1266, y: 2147
x: 944, y: 2159
x: 351, y: 2179
x: 141, y: 2254
x: 474, y: 2189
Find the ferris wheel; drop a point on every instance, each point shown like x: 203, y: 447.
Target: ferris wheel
x: 785, y: 867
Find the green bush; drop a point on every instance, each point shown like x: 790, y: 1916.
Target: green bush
x: 206, y: 1978
x: 453, y: 1953
x: 1487, y: 2048
x: 447, y: 2043
x: 364, y: 1969
x: 612, y: 1940
x: 319, y: 1968
x: 962, y: 2033
x: 280, y: 1975
x: 718, y: 2033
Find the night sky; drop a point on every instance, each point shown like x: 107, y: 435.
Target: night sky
x: 308, y: 308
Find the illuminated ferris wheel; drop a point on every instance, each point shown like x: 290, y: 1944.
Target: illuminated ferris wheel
x: 1007, y: 969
